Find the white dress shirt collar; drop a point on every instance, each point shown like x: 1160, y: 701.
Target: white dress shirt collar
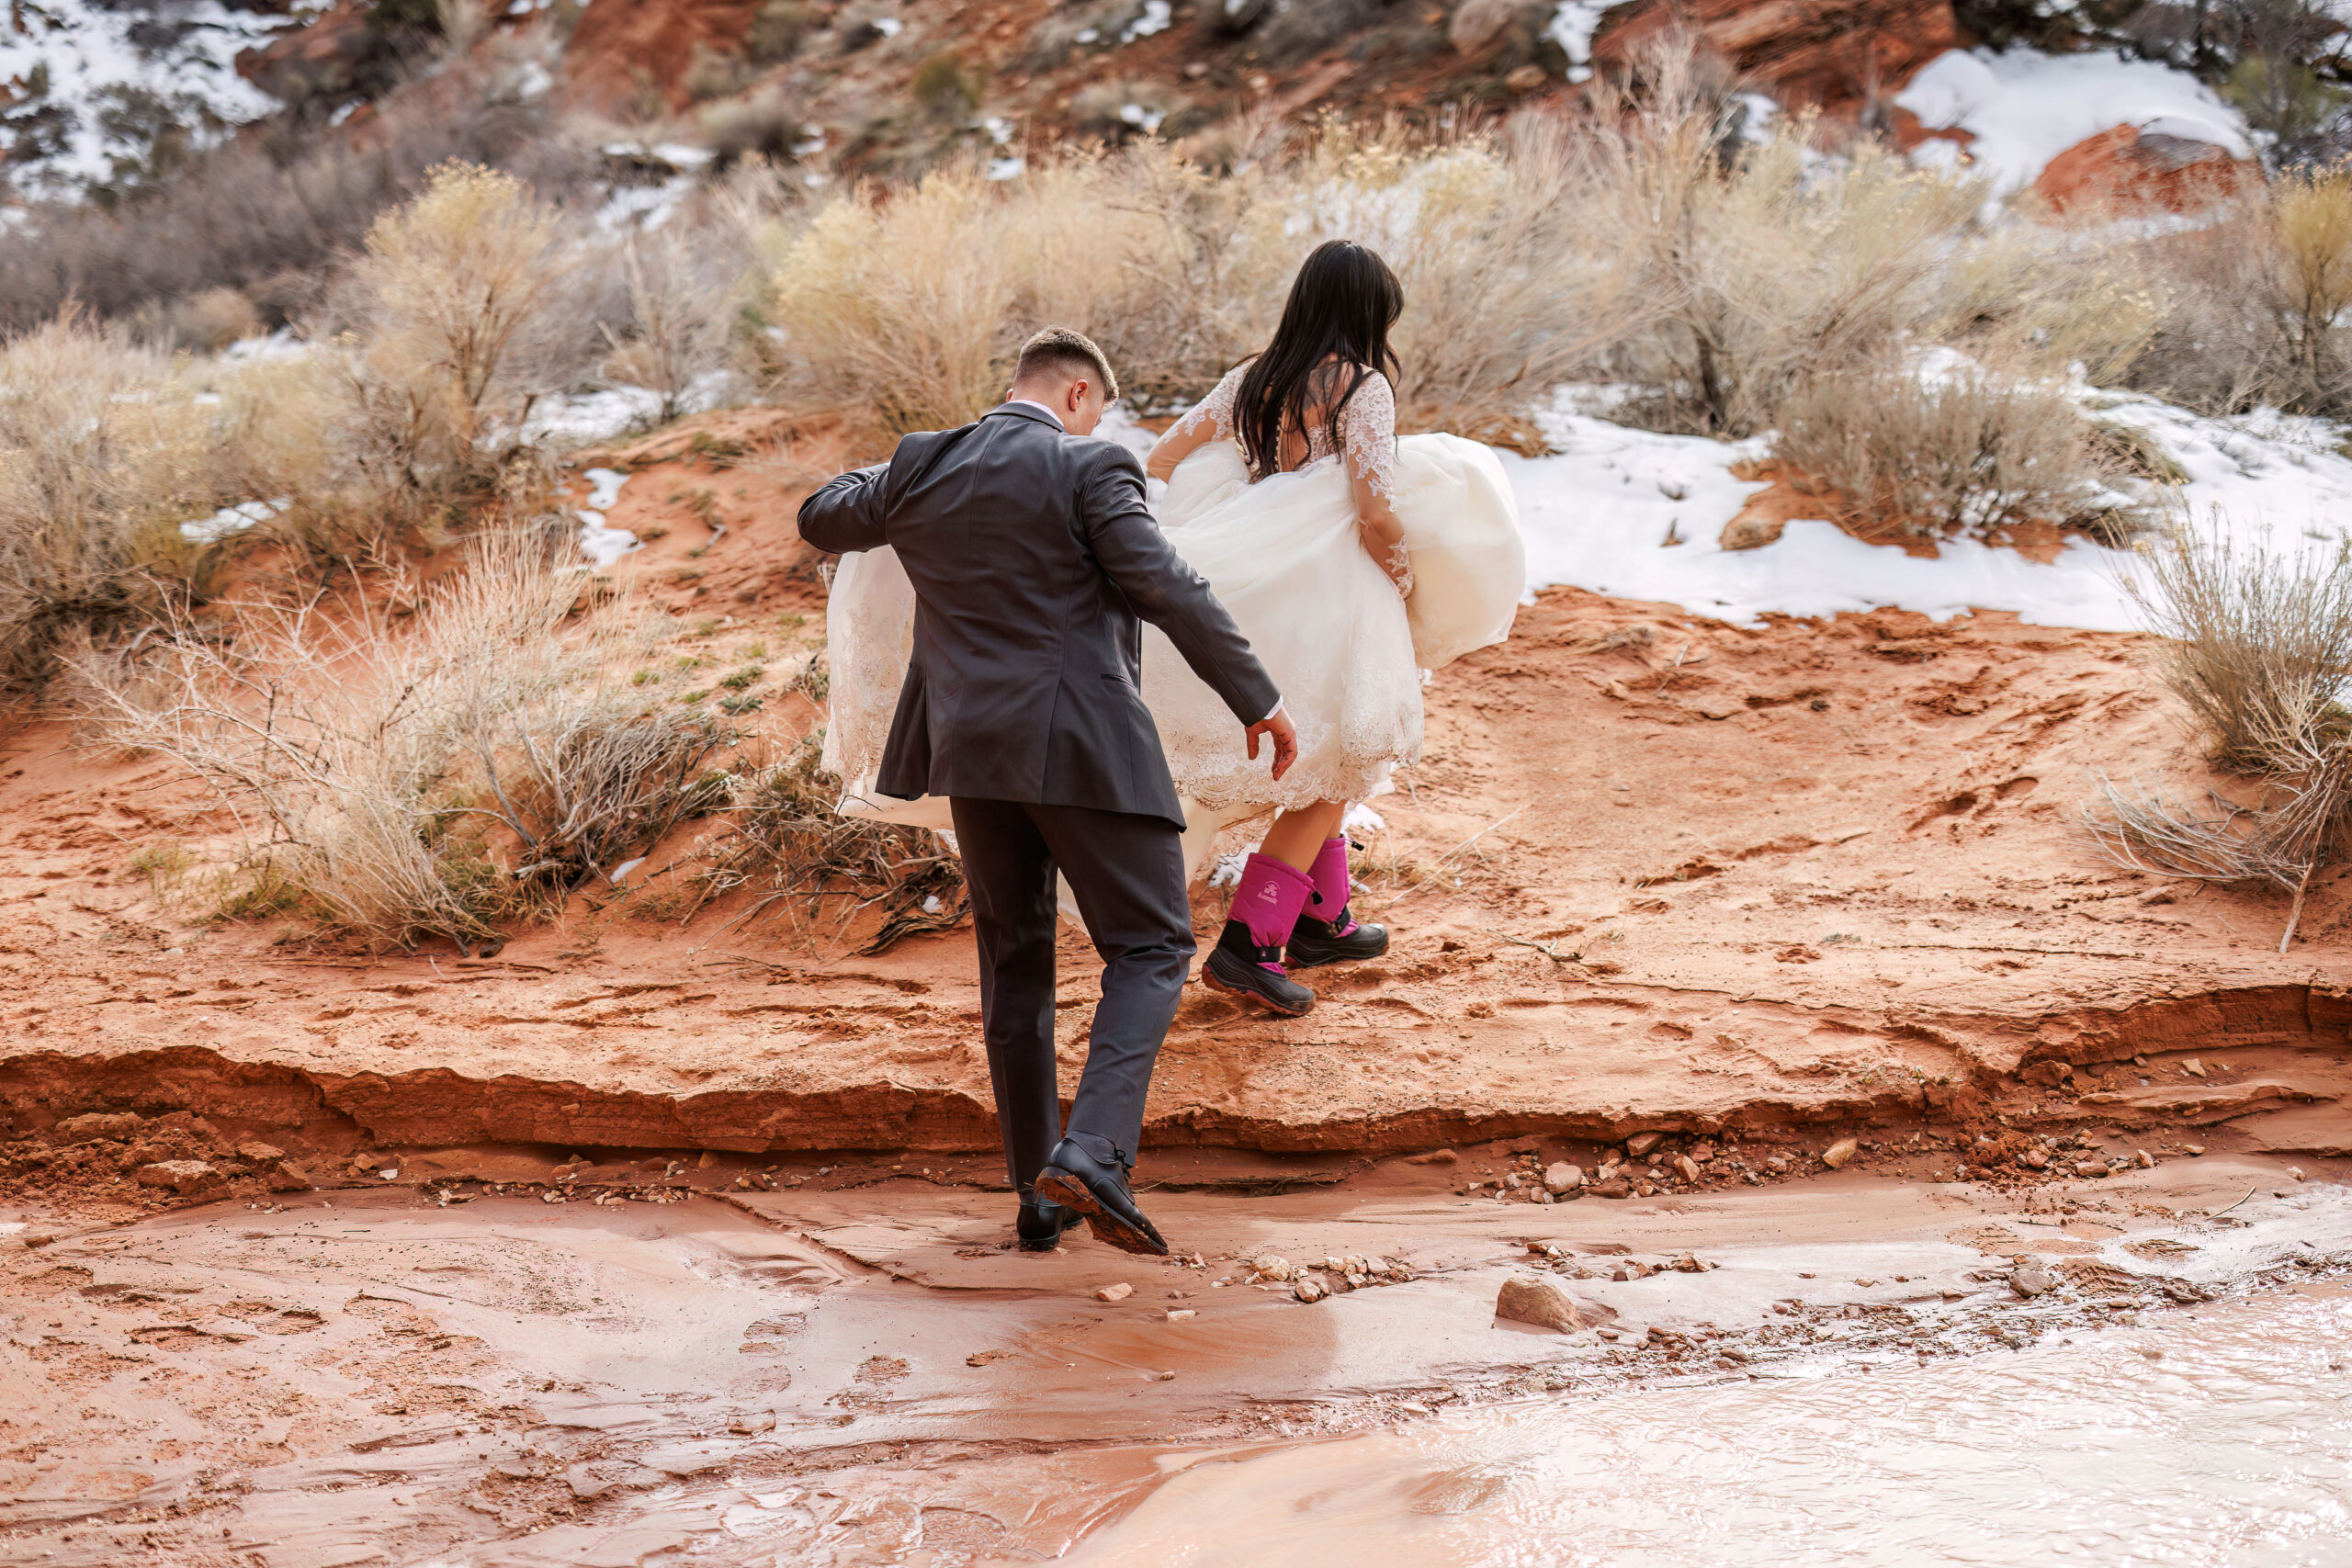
x: 1041, y: 408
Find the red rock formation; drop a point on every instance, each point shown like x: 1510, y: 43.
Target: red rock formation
x: 2127, y: 171
x: 1836, y: 53
x: 625, y: 47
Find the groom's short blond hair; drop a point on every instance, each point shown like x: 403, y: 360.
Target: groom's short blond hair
x: 1059, y: 349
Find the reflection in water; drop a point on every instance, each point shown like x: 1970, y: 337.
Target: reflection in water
x: 2220, y: 1436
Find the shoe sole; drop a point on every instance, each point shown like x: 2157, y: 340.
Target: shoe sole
x: 1210, y: 977
x: 1295, y: 962
x: 1109, y: 1229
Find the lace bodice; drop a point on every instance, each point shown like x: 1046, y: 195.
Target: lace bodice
x: 1367, y: 429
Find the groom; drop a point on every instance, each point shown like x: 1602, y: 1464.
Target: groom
x: 1031, y: 557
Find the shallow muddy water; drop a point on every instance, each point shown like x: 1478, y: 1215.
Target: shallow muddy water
x: 2220, y: 1435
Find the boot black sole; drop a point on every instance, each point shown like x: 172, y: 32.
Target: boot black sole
x: 1108, y: 1228
x: 1312, y: 958
x: 1210, y: 977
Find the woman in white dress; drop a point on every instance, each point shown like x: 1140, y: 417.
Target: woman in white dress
x: 1288, y: 491
x: 1351, y: 561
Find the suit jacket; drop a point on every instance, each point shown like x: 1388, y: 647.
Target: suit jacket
x: 1032, y: 555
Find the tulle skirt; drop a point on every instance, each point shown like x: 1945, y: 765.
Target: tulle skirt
x: 1286, y: 558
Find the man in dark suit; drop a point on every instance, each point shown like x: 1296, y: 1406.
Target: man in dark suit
x: 1033, y: 556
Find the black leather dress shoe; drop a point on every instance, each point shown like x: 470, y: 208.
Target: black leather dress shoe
x: 1343, y: 940
x: 1041, y: 1225
x: 1076, y: 1179
x: 1237, y: 964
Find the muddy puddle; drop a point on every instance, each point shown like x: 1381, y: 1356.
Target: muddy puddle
x: 871, y: 1377
x: 2222, y: 1435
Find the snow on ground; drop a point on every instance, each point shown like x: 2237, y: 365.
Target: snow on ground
x: 1637, y: 515
x: 602, y: 545
x: 2025, y: 108
x: 76, y: 65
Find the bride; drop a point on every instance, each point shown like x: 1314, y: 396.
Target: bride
x: 1352, y: 561
x: 1289, y: 491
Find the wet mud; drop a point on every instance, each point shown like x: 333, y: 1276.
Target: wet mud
x: 462, y: 1375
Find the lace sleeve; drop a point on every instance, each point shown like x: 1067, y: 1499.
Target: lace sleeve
x: 1216, y: 410
x: 1368, y: 435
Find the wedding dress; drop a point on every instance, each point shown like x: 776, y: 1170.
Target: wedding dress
x: 1283, y: 555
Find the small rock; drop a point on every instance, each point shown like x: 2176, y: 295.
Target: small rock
x: 982, y: 1358
x: 2033, y: 1281
x: 261, y: 1154
x: 2193, y: 1067
x: 1178, y: 1314
x: 1685, y: 1167
x: 1703, y: 1152
x: 1562, y: 1177
x: 113, y: 1126
x: 751, y: 1421
x: 2296, y: 1171
x: 2143, y: 1159
x: 2193, y: 1148
x: 1746, y: 533
x: 1835, y: 1155
x: 1272, y: 1268
x: 1117, y: 1292
x: 1434, y: 1156
x: 1168, y: 1377
x: 1309, y: 1289
x: 1617, y: 1187
x: 186, y: 1176
x: 2087, y: 1168
x: 1546, y: 1306
x: 1688, y: 1264
x: 2034, y: 1159
x: 1640, y: 1144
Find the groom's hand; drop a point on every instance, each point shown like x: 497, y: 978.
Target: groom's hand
x: 1285, y: 737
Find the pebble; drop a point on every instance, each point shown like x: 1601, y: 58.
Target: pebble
x: 2296, y: 1171
x: 751, y: 1421
x: 1178, y: 1314
x: 1309, y: 1289
x: 1168, y: 1377
x: 2143, y: 1159
x: 1685, y: 1167
x: 2194, y: 1148
x: 1835, y: 1155
x: 179, y: 1175
x: 1562, y: 1177
x: 2193, y: 1067
x: 1640, y: 1144
x: 2033, y: 1281
x: 1545, y: 1305
x: 1117, y: 1292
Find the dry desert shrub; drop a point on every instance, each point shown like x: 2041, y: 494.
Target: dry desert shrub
x: 454, y: 323
x: 104, y: 451
x: 2258, y: 645
x: 1947, y: 448
x: 2255, y: 301
x: 790, y: 847
x: 430, y: 775
x: 911, y: 306
x: 271, y: 211
x: 680, y: 328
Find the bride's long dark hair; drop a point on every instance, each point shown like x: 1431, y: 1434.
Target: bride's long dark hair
x: 1341, y: 307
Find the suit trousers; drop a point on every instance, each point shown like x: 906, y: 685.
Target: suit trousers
x: 1127, y: 871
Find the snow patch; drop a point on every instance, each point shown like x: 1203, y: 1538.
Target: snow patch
x: 2024, y: 108
x: 231, y: 521
x: 602, y: 545
x: 1637, y: 516
x: 70, y: 63
x: 1572, y: 27
x: 1155, y: 19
